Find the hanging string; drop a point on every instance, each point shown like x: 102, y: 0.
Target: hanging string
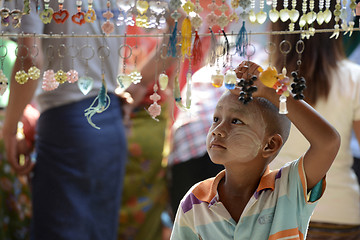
x: 213, y: 46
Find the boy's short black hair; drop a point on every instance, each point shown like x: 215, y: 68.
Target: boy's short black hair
x: 277, y: 123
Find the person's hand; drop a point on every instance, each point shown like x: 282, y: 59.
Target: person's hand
x: 14, y: 148
x: 246, y: 70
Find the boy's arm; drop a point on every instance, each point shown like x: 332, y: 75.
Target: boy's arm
x: 323, y: 138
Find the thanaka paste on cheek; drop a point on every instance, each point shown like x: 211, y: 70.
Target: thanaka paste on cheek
x: 247, y: 144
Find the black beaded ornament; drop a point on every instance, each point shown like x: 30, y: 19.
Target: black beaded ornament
x: 298, y: 86
x: 247, y: 89
x: 299, y: 83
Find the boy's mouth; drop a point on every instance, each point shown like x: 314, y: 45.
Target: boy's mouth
x: 215, y: 144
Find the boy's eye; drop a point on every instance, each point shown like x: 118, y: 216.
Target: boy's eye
x: 215, y: 119
x: 237, y: 121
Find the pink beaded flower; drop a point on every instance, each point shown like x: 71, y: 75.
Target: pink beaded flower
x: 49, y: 82
x: 72, y: 76
x: 155, y: 109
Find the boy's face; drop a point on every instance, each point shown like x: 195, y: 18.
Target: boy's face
x: 237, y: 133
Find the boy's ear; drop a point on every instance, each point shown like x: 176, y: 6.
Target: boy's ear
x: 272, y: 146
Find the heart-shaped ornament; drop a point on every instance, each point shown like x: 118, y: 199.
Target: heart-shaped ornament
x: 142, y: 6
x: 78, y: 18
x: 320, y: 17
x: 284, y: 15
x: 273, y: 15
x: 294, y: 15
x: 90, y: 16
x: 261, y: 17
x: 46, y: 15
x: 85, y: 84
x: 60, y: 16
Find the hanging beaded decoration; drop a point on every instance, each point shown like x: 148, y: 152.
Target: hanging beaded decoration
x: 282, y: 85
x: 211, y: 20
x: 344, y: 18
x: 72, y: 74
x: 5, y: 16
x: 274, y: 13
x: 320, y: 17
x: 163, y: 77
x: 284, y: 13
x: 61, y: 15
x: 141, y: 18
x: 90, y: 15
x: 102, y: 99
x: 303, y: 18
x: 34, y: 72
x: 337, y: 13
x: 294, y: 15
x: 4, y: 82
x: 246, y: 84
x: 21, y: 76
x: 252, y: 14
x: 157, y: 9
x: 60, y: 75
x: 49, y: 83
x: 174, y: 4
x: 47, y: 14
x: 123, y: 79
x: 233, y: 17
x: 353, y: 14
x: 196, y: 22
x: 261, y: 15
x: 154, y: 109
x: 79, y: 17
x: 223, y: 21
x: 299, y: 83
x: 327, y: 12
x: 108, y: 27
x: 135, y: 75
x: 85, y: 83
x: 125, y: 16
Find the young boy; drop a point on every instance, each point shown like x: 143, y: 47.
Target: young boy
x: 246, y: 200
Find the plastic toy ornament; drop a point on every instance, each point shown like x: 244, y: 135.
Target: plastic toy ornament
x: 85, y: 84
x: 230, y: 79
x: 124, y: 80
x: 217, y: 79
x: 163, y: 81
x: 34, y: 73
x: 3, y: 83
x: 49, y: 83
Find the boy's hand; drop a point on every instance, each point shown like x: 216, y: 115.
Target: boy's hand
x: 246, y: 70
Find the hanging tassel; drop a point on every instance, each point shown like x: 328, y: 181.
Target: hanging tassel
x: 186, y: 38
x: 172, y: 42
x: 103, y: 103
x: 242, y: 41
x: 213, y: 46
x: 197, y: 52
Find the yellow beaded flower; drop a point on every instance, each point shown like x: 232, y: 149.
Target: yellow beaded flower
x: 61, y: 76
x: 21, y: 77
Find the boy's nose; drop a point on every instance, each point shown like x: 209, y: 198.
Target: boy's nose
x: 219, y: 131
